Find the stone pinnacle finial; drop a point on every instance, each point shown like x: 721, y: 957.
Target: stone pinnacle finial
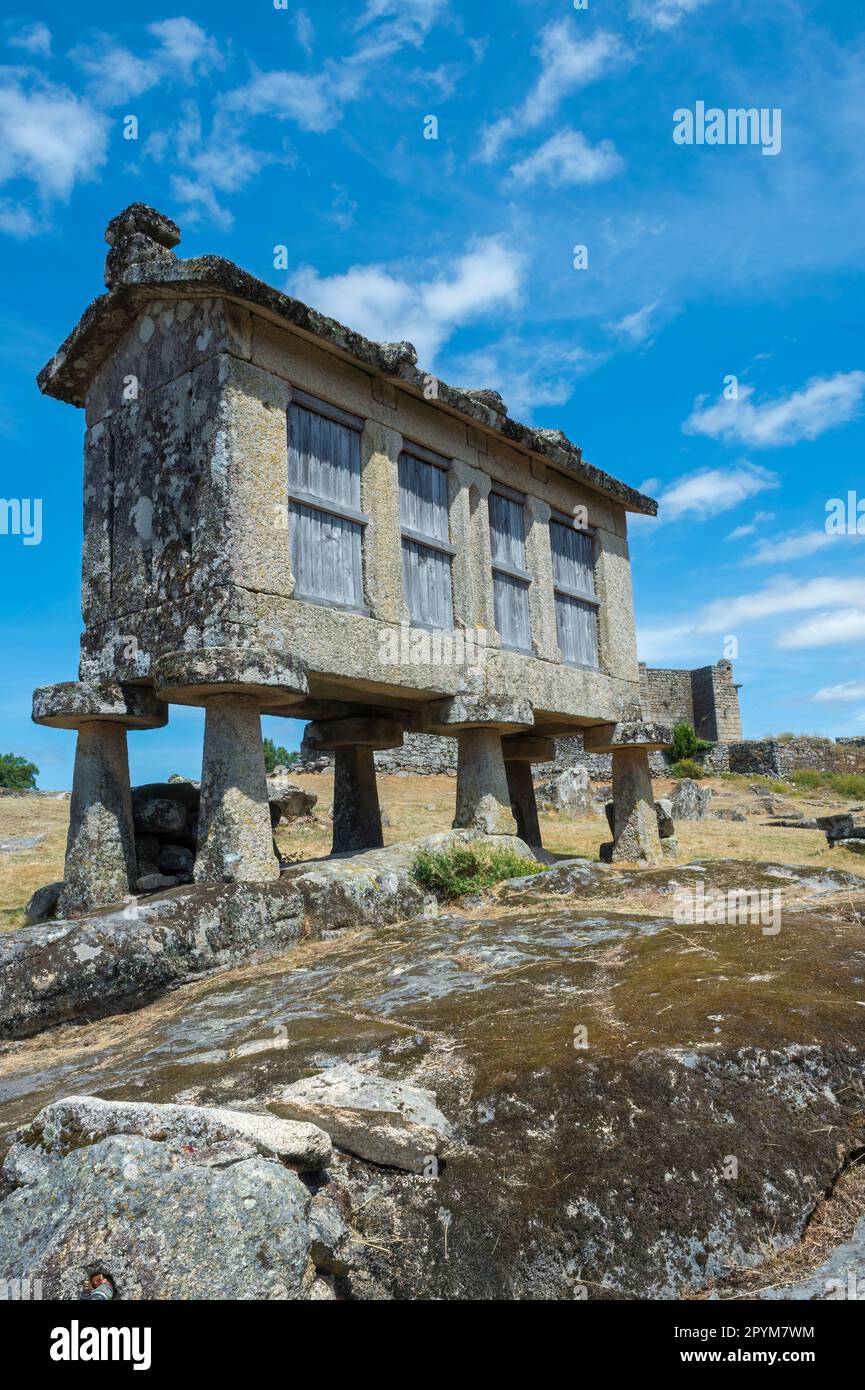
x: 140, y: 239
x: 491, y: 399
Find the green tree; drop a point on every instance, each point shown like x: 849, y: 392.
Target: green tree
x: 16, y: 773
x: 276, y: 757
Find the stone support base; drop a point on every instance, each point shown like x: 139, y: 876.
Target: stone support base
x: 100, y: 847
x: 636, y: 838
x: 523, y: 801
x: 356, y: 812
x: 483, y: 798
x: 235, y: 844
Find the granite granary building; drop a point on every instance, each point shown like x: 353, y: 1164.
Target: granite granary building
x: 283, y: 517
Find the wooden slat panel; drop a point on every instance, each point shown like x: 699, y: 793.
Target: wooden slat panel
x: 326, y: 549
x: 332, y: 412
x: 427, y: 580
x: 507, y: 531
x: 573, y: 558
x: 423, y: 498
x: 323, y: 457
x: 511, y: 600
x: 326, y: 556
x: 510, y: 593
x: 577, y: 628
x: 422, y: 452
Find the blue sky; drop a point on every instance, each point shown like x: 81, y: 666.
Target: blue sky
x: 304, y: 126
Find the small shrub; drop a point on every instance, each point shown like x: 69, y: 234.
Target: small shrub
x: 468, y: 868
x: 16, y: 774
x: 686, y: 767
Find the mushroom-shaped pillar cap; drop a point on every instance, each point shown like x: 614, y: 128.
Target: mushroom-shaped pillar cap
x: 145, y: 221
x: 528, y: 748
x: 506, y: 713
x: 630, y: 733
x: 354, y: 733
x: 194, y: 677
x: 73, y: 703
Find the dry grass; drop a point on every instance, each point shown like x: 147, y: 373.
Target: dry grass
x: 832, y: 1223
x: 23, y: 871
x: 418, y: 806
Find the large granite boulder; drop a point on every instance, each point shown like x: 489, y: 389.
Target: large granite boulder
x: 387, y: 1122
x: 187, y: 1129
x: 292, y: 801
x: 690, y: 801
x: 569, y: 792
x: 163, y: 1225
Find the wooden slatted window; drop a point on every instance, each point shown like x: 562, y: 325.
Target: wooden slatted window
x: 426, y: 549
x: 324, y: 501
x: 511, y: 579
x: 576, y: 604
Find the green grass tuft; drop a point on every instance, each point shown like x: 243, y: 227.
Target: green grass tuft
x: 468, y: 868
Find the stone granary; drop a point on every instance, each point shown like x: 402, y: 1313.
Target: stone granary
x: 284, y: 517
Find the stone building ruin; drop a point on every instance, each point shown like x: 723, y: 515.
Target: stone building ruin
x: 280, y: 516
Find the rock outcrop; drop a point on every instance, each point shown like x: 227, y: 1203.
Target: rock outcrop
x: 690, y: 801
x: 124, y: 957
x: 163, y: 1224
x: 569, y: 792
x: 549, y: 1032
x: 387, y: 1122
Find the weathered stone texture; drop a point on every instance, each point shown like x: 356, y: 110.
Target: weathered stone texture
x: 635, y: 837
x: 235, y: 843
x: 100, y: 847
x: 483, y: 799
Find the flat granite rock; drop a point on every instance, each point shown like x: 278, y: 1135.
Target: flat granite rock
x: 186, y: 1129
x: 387, y: 1122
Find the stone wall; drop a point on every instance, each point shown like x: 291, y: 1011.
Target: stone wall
x: 776, y: 758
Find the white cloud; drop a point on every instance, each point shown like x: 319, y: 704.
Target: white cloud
x: 184, y: 44
x: 210, y: 164
x: 16, y: 220
x: 315, y: 101
x: 636, y: 327
x: 834, y: 598
x: 116, y: 73
x: 569, y: 60
x: 36, y: 38
x: 664, y: 14
x: 47, y: 135
x: 830, y: 628
x: 527, y: 381
x: 182, y: 49
x: 425, y: 311
x: 304, y: 30
x: 835, y: 609
x: 568, y: 158
x: 796, y: 547
x: 847, y: 690
x: 310, y: 100
x: 713, y: 490
x: 823, y: 404
x: 416, y: 16
x: 750, y: 529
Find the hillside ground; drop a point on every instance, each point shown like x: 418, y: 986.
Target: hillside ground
x: 418, y: 806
